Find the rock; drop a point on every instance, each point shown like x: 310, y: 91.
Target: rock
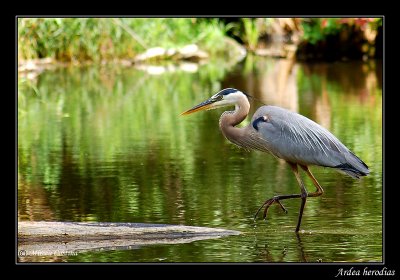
x: 234, y: 51
x: 31, y: 68
x: 189, y: 52
x: 153, y: 53
x: 125, y: 62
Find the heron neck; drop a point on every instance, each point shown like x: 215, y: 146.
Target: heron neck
x: 230, y: 119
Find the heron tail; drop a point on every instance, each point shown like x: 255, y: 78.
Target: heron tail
x: 354, y: 166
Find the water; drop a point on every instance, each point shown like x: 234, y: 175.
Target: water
x: 107, y: 144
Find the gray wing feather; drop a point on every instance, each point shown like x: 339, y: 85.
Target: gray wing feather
x: 297, y: 139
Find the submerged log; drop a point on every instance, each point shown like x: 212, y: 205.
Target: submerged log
x: 48, y: 238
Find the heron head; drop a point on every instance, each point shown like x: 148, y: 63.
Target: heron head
x: 225, y: 97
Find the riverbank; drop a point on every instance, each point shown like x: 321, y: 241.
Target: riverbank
x: 98, y: 39
x: 154, y: 60
x: 159, y: 45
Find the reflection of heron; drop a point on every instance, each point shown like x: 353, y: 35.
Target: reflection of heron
x: 286, y: 135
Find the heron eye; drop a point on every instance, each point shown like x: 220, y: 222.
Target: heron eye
x: 218, y: 98
x: 260, y: 119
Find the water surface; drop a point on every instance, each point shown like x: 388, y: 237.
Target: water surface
x: 107, y: 144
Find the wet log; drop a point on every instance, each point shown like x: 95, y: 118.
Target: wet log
x: 49, y: 238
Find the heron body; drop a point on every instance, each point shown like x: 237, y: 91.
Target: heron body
x: 297, y: 139
x: 286, y: 135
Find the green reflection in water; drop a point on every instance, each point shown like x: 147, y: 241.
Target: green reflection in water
x: 108, y: 144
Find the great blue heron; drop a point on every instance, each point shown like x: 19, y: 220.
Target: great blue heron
x: 286, y: 135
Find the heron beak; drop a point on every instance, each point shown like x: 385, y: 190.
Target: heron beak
x: 200, y: 107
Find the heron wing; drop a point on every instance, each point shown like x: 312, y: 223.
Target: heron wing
x: 297, y: 139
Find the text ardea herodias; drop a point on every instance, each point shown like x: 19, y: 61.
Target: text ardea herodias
x: 287, y: 135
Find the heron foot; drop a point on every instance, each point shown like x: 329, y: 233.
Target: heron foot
x: 267, y: 204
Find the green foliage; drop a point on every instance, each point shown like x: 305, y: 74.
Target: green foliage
x: 77, y: 39
x: 96, y: 39
x: 249, y: 30
x: 317, y: 29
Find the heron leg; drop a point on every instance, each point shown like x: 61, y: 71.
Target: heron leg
x: 319, y: 190
x: 303, y: 194
x: 276, y: 199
